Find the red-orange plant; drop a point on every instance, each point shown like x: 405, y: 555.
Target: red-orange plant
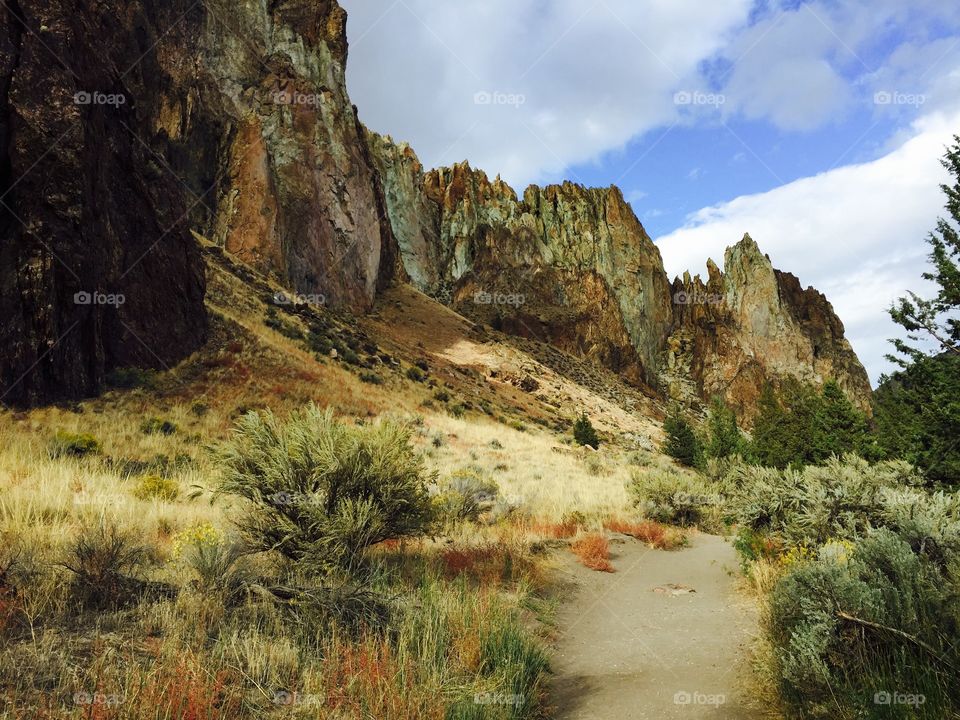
x: 648, y: 531
x: 593, y: 551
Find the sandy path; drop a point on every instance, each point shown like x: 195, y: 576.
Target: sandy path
x: 626, y: 651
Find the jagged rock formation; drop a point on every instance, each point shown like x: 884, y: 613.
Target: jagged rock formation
x: 563, y: 264
x: 125, y: 125
x: 592, y: 282
x: 753, y: 323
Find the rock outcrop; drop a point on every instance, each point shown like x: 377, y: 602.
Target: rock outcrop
x: 564, y: 264
x: 125, y: 125
x: 574, y: 267
x: 752, y: 323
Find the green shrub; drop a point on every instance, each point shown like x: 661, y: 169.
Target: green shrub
x: 372, y: 378
x: 416, y: 374
x: 885, y: 620
x: 671, y: 497
x: 68, y: 444
x: 723, y: 436
x: 319, y: 343
x: 320, y: 492
x: 682, y: 443
x: 458, y: 410
x: 441, y: 395
x: 464, y: 496
x: 154, y: 487
x: 158, y: 426
x: 219, y: 566
x: 129, y: 378
x: 282, y: 326
x: 348, y: 355
x: 841, y: 499
x: 584, y: 432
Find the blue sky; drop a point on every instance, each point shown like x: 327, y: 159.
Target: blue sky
x: 816, y: 126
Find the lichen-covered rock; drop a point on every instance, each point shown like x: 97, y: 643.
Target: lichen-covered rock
x: 574, y: 267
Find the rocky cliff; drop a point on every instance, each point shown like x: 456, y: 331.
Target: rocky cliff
x: 125, y: 125
x: 564, y: 264
x: 574, y: 267
x: 752, y: 323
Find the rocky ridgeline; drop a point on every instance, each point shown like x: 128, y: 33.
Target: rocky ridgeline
x: 574, y: 267
x: 126, y: 126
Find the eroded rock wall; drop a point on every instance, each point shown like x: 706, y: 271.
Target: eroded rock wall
x: 574, y: 267
x: 564, y: 264
x: 124, y: 126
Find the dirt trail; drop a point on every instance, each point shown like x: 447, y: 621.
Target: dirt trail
x: 628, y: 651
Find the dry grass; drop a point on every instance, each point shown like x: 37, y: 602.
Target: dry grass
x: 650, y: 532
x: 458, y: 629
x: 593, y: 551
x: 527, y: 468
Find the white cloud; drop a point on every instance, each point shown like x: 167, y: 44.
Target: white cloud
x: 855, y: 233
x: 592, y: 75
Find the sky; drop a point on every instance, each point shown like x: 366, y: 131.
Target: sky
x: 815, y: 126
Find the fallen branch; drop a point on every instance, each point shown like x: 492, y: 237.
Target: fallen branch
x: 900, y: 634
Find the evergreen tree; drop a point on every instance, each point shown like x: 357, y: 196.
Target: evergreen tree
x: 724, y: 437
x: 584, y: 432
x: 768, y: 446
x: 917, y: 409
x: 937, y: 317
x: 839, y: 427
x: 783, y: 430
x: 917, y: 416
x: 682, y: 442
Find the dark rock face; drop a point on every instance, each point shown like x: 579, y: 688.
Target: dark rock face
x: 124, y: 126
x: 88, y: 210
